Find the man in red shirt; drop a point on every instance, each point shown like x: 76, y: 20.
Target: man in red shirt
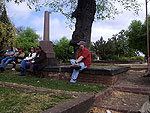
x: 83, y: 61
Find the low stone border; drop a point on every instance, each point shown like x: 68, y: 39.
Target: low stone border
x: 81, y: 104
x: 37, y: 89
x: 137, y: 90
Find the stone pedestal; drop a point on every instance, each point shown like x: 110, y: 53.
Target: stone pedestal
x: 47, y: 46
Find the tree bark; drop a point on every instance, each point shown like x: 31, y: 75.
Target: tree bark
x: 84, y: 15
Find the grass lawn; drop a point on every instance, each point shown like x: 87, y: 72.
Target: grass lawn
x: 13, y: 77
x: 19, y: 101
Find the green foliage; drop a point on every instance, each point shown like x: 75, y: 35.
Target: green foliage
x: 27, y: 38
x: 63, y: 50
x: 104, y: 8
x: 7, y: 30
x: 114, y: 48
x: 137, y: 35
x: 133, y: 58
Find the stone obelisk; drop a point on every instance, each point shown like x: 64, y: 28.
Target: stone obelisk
x: 47, y: 45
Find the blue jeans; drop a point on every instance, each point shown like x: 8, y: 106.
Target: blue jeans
x: 5, y: 61
x: 35, y: 67
x: 76, y: 72
x: 25, y: 64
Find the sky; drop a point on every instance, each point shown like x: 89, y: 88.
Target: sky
x: 21, y: 15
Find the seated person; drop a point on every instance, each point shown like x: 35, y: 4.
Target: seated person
x: 39, y: 60
x: 27, y: 62
x: 18, y: 57
x: 83, y: 61
x: 9, y: 57
x: 1, y: 53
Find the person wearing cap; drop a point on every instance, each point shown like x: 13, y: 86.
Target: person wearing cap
x: 9, y: 56
x: 83, y: 61
x: 18, y: 57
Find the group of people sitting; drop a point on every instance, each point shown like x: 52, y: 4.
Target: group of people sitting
x: 35, y: 59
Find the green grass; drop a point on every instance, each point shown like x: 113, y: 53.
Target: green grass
x: 19, y: 101
x: 13, y: 77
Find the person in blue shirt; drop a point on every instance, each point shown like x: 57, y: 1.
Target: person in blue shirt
x: 8, y: 58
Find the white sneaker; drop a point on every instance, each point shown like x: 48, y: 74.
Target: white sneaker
x: 13, y: 69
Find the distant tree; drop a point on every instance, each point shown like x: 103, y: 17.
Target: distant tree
x: 27, y: 38
x: 7, y: 30
x: 136, y: 33
x: 99, y: 48
x: 115, y: 48
x: 63, y: 50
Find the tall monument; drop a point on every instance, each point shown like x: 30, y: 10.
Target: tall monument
x: 47, y: 45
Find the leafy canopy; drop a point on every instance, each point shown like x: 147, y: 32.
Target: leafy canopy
x: 27, y: 38
x: 114, y: 48
x: 137, y: 35
x: 7, y: 30
x: 104, y: 8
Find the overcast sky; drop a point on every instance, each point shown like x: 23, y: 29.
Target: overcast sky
x: 21, y: 15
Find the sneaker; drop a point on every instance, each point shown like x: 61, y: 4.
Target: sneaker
x: 13, y: 69
x: 76, y: 67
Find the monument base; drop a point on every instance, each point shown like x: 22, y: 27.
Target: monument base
x: 51, y: 62
x: 47, y: 46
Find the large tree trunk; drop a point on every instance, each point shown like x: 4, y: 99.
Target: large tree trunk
x: 84, y: 15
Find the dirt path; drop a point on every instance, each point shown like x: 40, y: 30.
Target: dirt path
x: 123, y: 102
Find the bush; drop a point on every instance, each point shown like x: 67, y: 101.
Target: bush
x: 133, y: 58
x: 63, y: 50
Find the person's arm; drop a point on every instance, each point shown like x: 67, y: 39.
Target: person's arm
x: 32, y: 57
x: 10, y: 54
x: 78, y: 60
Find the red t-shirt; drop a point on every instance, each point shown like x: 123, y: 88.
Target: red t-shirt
x: 87, y: 56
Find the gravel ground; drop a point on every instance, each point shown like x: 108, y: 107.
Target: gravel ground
x: 123, y: 100
x: 134, y: 79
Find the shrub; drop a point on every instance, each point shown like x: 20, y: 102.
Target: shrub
x: 63, y: 50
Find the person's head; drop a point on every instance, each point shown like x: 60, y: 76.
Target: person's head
x: 81, y: 45
x: 20, y: 49
x: 32, y: 49
x: 10, y: 48
x: 38, y: 49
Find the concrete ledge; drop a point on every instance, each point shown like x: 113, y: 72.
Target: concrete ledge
x: 94, y: 70
x: 107, y: 75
